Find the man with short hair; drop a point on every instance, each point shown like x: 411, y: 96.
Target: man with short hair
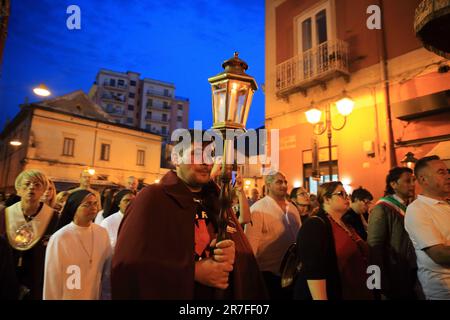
x: 132, y: 184
x: 85, y: 184
x: 355, y: 216
x: 273, y: 228
x: 389, y: 245
x: 167, y: 246
x: 254, y: 197
x: 428, y: 225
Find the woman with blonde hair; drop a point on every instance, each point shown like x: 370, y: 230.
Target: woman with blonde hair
x: 27, y: 225
x: 49, y: 197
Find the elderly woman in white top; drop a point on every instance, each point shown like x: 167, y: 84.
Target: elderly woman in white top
x: 27, y: 225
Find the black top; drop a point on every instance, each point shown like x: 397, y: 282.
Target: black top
x: 316, y: 251
x: 353, y: 219
x: 9, y: 288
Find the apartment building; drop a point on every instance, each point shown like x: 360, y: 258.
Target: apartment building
x: 143, y: 103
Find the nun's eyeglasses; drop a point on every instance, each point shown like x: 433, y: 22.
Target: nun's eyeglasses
x: 89, y: 204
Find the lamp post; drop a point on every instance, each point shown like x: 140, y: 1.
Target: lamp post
x: 409, y: 160
x: 232, y: 93
x: 345, y: 107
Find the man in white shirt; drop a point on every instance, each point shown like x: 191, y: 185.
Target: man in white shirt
x: 273, y: 228
x: 428, y: 224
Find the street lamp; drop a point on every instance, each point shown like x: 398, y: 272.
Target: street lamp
x: 14, y: 143
x: 232, y: 93
x: 42, y: 90
x: 409, y: 160
x: 345, y: 107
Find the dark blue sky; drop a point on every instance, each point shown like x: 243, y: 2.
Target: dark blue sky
x: 179, y: 41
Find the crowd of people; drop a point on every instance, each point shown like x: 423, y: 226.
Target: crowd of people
x: 177, y: 239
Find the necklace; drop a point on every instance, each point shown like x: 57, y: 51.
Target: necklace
x: 84, y: 248
x: 30, y: 217
x: 342, y: 225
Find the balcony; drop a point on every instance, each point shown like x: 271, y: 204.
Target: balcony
x: 158, y: 94
x: 313, y: 67
x: 156, y: 120
x: 113, y: 98
x: 158, y: 107
x: 107, y: 85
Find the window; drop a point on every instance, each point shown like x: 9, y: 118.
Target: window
x: 164, y: 130
x: 166, y: 93
x: 112, y: 82
x: 149, y: 115
x: 164, y: 117
x: 179, y: 118
x: 132, y: 83
x: 130, y: 107
x: 148, y: 127
x: 180, y: 106
x: 140, y: 158
x: 109, y: 108
x: 104, y: 154
x: 131, y: 95
x: 315, y: 29
x: 165, y: 105
x: 121, y: 83
x: 130, y: 120
x: 68, y: 147
x: 150, y: 103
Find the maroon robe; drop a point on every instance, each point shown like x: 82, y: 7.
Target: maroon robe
x: 154, y: 254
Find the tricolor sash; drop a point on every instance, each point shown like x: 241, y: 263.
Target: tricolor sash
x: 393, y: 203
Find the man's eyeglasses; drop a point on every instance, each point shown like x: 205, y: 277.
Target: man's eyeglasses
x: 367, y: 202
x: 341, y: 194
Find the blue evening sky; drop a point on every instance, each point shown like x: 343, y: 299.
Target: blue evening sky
x: 179, y: 41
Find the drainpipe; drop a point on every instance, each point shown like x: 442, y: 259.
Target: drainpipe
x: 385, y: 80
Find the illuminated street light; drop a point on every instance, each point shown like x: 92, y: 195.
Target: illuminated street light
x: 42, y: 90
x: 409, y: 160
x: 345, y: 107
x: 91, y: 171
x: 313, y: 115
x: 15, y: 143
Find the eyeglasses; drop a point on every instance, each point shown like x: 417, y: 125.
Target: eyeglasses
x: 303, y: 194
x: 89, y: 204
x: 341, y: 194
x: 367, y: 202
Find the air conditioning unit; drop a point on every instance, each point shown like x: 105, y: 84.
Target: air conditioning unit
x: 422, y: 106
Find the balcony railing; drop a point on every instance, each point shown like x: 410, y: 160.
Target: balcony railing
x: 117, y: 86
x: 312, y: 67
x: 159, y: 107
x: 158, y: 93
x: 114, y: 98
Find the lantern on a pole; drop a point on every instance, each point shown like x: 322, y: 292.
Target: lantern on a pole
x: 232, y: 92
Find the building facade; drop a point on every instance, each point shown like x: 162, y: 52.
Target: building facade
x: 143, y: 103
x: 318, y: 51
x: 69, y: 134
